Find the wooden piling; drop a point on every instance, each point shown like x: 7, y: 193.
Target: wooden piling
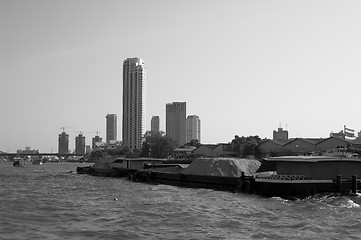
x: 242, y: 176
x: 354, y: 184
x: 339, y: 183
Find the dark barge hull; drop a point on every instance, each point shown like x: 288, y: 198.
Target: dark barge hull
x: 83, y: 170
x: 247, y: 184
x: 112, y: 172
x: 188, y: 180
x: 299, y: 188
x: 244, y: 184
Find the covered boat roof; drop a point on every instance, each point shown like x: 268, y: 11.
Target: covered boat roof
x: 308, y: 159
x: 140, y: 159
x: 270, y: 164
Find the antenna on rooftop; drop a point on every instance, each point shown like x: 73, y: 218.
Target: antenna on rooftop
x: 97, y: 132
x: 65, y: 128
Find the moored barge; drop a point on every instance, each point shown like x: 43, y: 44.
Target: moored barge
x: 308, y: 175
x: 221, y: 173
x: 118, y: 167
x: 291, y: 176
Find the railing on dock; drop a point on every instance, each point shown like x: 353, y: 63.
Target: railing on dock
x: 283, y: 177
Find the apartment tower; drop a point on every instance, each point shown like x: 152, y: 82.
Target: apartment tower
x: 80, y: 144
x: 176, y: 122
x: 111, y: 127
x: 280, y: 135
x: 154, y: 124
x: 134, y: 83
x: 193, y: 126
x: 96, y: 140
x: 63, y: 140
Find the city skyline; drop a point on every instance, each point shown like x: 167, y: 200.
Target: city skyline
x: 242, y: 66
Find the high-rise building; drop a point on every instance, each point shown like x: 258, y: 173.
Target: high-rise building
x: 134, y: 83
x: 280, y: 134
x: 87, y: 149
x: 63, y: 143
x: 176, y: 122
x: 95, y: 140
x: 80, y: 144
x: 111, y: 127
x: 154, y: 123
x: 193, y: 125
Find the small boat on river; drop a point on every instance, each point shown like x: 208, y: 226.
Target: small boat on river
x: 37, y: 161
x: 19, y: 162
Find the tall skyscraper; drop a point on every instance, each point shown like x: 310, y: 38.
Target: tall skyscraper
x: 154, y: 123
x: 63, y: 145
x: 80, y: 144
x: 134, y: 83
x: 111, y: 126
x: 193, y: 124
x: 176, y: 122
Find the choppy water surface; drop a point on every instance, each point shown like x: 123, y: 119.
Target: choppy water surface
x: 50, y: 201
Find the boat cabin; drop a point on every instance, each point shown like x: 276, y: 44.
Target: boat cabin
x: 18, y: 162
x: 136, y: 163
x: 313, y: 167
x: 126, y: 163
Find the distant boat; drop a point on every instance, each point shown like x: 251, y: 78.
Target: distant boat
x: 37, y: 161
x: 19, y: 162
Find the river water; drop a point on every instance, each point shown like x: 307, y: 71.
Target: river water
x: 51, y: 201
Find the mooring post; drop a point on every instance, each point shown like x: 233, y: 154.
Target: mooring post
x: 354, y: 184
x: 339, y: 183
x: 242, y: 176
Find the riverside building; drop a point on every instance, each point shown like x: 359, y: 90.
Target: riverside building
x: 176, y: 122
x: 111, y: 127
x: 193, y: 126
x: 134, y: 84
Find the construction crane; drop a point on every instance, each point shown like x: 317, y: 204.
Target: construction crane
x: 64, y: 128
x: 80, y: 132
x: 97, y: 132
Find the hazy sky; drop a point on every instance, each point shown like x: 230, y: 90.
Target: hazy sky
x: 242, y: 66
